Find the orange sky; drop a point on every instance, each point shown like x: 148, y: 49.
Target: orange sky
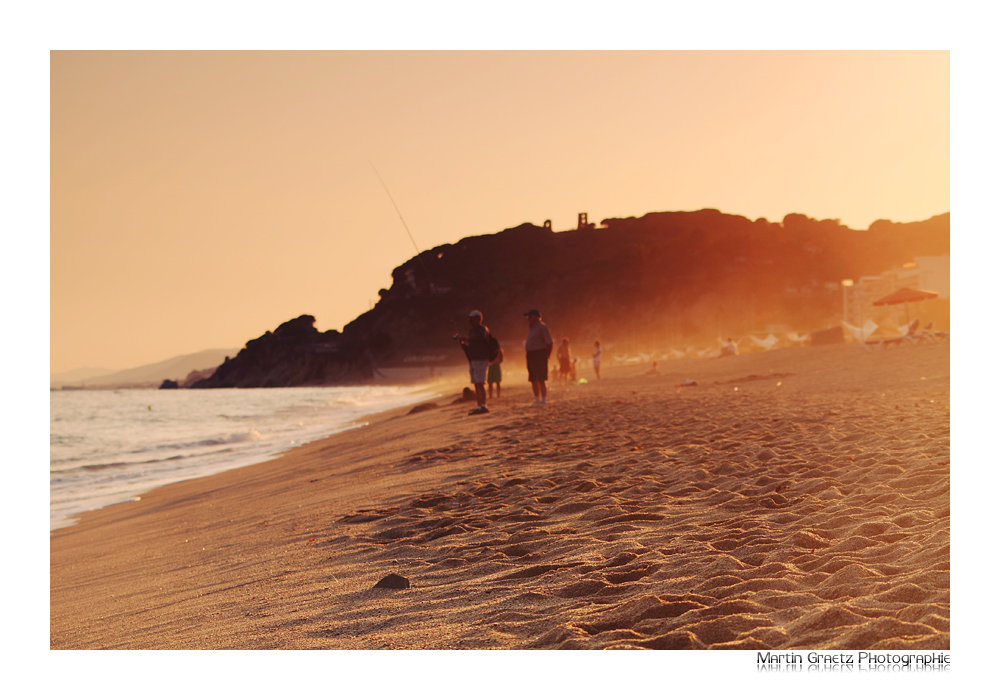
x: 199, y: 199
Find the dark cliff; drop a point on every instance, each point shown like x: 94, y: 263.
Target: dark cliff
x: 295, y: 354
x: 662, y: 280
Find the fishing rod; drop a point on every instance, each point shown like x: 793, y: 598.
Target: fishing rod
x: 386, y: 188
x: 415, y: 246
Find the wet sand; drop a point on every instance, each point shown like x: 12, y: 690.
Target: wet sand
x: 794, y: 499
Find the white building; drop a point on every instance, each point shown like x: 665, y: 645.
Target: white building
x: 935, y: 274
x: 932, y: 273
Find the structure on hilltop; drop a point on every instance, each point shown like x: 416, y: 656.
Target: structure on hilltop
x: 669, y: 279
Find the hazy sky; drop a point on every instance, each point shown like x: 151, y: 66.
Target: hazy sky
x: 199, y: 199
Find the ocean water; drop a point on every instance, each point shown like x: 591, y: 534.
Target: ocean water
x: 108, y: 447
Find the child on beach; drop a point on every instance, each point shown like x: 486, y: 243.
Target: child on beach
x: 597, y: 358
x: 493, y: 375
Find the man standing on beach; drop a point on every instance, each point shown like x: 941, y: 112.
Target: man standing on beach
x: 477, y: 350
x: 538, y: 348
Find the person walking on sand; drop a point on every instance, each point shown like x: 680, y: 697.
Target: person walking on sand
x: 494, y: 375
x: 597, y: 358
x: 538, y: 349
x: 476, y: 347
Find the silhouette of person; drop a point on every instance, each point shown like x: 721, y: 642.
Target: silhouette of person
x: 597, y: 358
x: 494, y: 375
x: 477, y: 351
x: 538, y: 349
x: 563, y: 355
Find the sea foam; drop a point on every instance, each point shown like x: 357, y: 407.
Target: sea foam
x: 108, y: 447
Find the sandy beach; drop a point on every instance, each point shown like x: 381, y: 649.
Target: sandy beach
x: 793, y: 499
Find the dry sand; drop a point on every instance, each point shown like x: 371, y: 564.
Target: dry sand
x: 794, y: 499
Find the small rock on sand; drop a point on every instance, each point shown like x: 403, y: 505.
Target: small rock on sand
x: 393, y: 581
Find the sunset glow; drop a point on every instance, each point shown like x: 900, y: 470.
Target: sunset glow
x: 201, y: 198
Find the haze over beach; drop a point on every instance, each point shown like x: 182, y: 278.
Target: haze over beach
x: 209, y: 196
x: 798, y: 498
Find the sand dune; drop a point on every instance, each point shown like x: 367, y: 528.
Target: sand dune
x: 794, y: 499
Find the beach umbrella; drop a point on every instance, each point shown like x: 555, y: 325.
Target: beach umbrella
x: 905, y: 296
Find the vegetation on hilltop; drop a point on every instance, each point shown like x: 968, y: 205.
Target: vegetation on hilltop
x: 668, y: 279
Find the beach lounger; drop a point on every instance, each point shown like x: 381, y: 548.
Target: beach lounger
x: 936, y: 336
x: 863, y: 333
x: 929, y: 335
x: 908, y: 334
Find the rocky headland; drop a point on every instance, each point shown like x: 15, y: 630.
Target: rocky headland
x: 667, y: 279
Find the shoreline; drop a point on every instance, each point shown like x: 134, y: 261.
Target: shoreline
x: 673, y: 516
x: 360, y: 422
x: 239, y: 459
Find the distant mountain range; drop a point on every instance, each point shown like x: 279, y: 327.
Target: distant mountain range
x: 176, y: 368
x: 75, y: 376
x: 664, y: 280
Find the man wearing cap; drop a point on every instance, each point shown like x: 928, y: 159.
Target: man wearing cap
x: 538, y: 348
x: 476, y: 347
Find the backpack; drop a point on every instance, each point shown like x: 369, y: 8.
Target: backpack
x: 493, y: 345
